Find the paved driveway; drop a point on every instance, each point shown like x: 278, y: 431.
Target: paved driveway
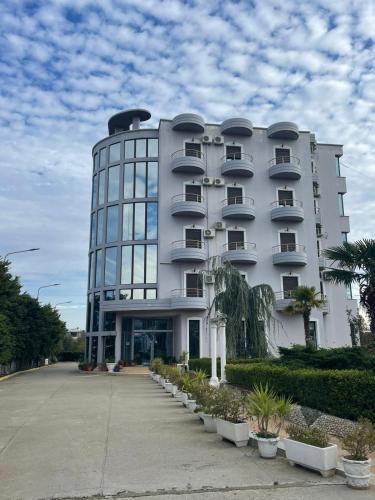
x: 64, y: 434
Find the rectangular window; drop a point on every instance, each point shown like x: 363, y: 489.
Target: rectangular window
x: 290, y: 283
x: 98, y: 268
x: 194, y: 334
x: 129, y: 180
x: 151, y: 263
x: 139, y: 221
x: 140, y: 151
x: 113, y: 183
x: 193, y: 149
x: 236, y: 240
x: 233, y: 152
x: 127, y: 221
x: 288, y: 242
x: 93, y: 230
x: 138, y: 293
x: 126, y: 264
x: 338, y: 166
x: 344, y: 237
x: 316, y: 190
x: 91, y: 269
x: 94, y: 201
x: 153, y: 148
x: 319, y: 230
x: 114, y: 152
x: 112, y: 224
x: 109, y: 323
x: 110, y: 266
x: 109, y: 295
x: 103, y: 158
x: 194, y: 285
x: 234, y: 195
x: 340, y: 200
x: 140, y: 180
x: 139, y: 264
x: 95, y: 319
x: 285, y: 198
x: 125, y: 294
x: 152, y: 178
x: 150, y: 293
x: 282, y: 155
x: 129, y: 149
x: 88, y: 313
x: 152, y: 221
x: 96, y: 161
x: 101, y: 187
x: 193, y: 192
x: 193, y: 238
x: 99, y: 227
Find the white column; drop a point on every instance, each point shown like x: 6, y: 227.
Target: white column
x: 223, y: 350
x: 118, y: 338
x: 214, y: 381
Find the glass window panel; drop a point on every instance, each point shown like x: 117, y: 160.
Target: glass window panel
x: 129, y: 180
x: 194, y: 333
x: 152, y: 178
x: 127, y: 221
x: 93, y: 230
x: 103, y: 157
x: 101, y: 187
x: 125, y: 294
x: 98, y: 268
x: 91, y: 269
x: 88, y: 315
x: 139, y: 264
x: 94, y: 191
x: 113, y: 183
x: 341, y: 204
x: 138, y: 293
x: 129, y: 149
x: 114, y: 152
x: 99, y: 227
x: 112, y: 224
x: 109, y: 295
x: 110, y: 266
x: 150, y: 293
x: 140, y: 180
x: 139, y: 221
x: 151, y: 264
x: 153, y: 147
x: 126, y: 265
x: 344, y: 237
x: 140, y: 148
x: 338, y: 169
x: 96, y: 161
x: 109, y: 325
x: 95, y: 323
x: 152, y: 221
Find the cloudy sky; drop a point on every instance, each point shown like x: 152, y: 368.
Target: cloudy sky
x: 67, y: 65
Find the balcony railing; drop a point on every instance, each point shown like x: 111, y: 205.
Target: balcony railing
x: 238, y: 200
x: 188, y: 292
x: 284, y: 159
x: 197, y: 198
x: 187, y: 152
x: 284, y: 295
x: 237, y: 156
x: 288, y: 247
x: 239, y: 245
x: 287, y: 203
x: 188, y: 244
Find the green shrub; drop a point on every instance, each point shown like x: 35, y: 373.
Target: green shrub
x: 229, y: 405
x: 308, y: 435
x: 205, y: 363
x: 70, y: 356
x: 344, y: 393
x: 360, y: 442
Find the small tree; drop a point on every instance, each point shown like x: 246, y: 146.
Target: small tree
x: 357, y: 326
x: 305, y: 299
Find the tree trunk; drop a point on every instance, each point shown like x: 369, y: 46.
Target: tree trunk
x: 306, y: 320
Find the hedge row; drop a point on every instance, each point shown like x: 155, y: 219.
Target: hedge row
x: 205, y: 363
x: 343, y: 393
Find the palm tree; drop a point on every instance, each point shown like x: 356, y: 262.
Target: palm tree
x: 248, y: 310
x: 356, y: 264
x: 304, y: 300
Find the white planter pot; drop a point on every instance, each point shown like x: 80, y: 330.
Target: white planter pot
x: 209, y: 423
x: 237, y: 433
x: 168, y: 386
x: 178, y: 396
x: 323, y: 460
x: 200, y: 415
x: 357, y: 473
x: 151, y: 374
x: 267, y: 447
x: 174, y: 390
x: 157, y: 378
x: 110, y: 366
x: 184, y: 398
x: 191, y: 405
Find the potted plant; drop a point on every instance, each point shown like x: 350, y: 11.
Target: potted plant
x: 155, y: 367
x: 310, y: 447
x: 102, y: 367
x: 174, y: 375
x: 183, y: 362
x: 270, y: 412
x: 185, y: 386
x: 110, y: 362
x: 228, y: 411
x: 86, y: 366
x: 206, y: 402
x: 359, y: 443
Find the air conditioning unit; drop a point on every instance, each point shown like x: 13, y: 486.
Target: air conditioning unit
x: 219, y: 182
x: 206, y: 139
x: 208, y: 181
x: 218, y: 140
x: 209, y: 233
x: 209, y: 279
x: 219, y: 225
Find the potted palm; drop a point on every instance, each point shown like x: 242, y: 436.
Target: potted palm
x: 228, y: 410
x: 359, y: 443
x: 270, y: 411
x: 310, y: 447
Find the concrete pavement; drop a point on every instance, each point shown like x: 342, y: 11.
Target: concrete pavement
x: 64, y: 434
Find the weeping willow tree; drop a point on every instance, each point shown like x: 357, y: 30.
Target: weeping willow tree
x: 243, y: 305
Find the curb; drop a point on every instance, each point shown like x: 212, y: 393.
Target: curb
x: 6, y: 377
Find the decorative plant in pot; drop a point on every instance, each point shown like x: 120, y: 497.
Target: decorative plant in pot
x: 270, y: 411
x: 185, y: 388
x: 229, y: 412
x: 174, y: 376
x: 155, y: 366
x: 102, y: 367
x: 198, y: 380
x: 359, y: 443
x: 310, y: 447
x: 206, y: 401
x: 110, y: 362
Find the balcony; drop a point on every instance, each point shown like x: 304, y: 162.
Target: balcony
x: 238, y: 207
x: 189, y: 298
x: 344, y: 224
x: 188, y: 251
x: 188, y: 161
x: 283, y: 130
x: 237, y: 126
x: 289, y: 254
x: 188, y: 122
x: 240, y: 253
x: 287, y: 211
x: 283, y: 300
x: 341, y: 184
x: 285, y: 167
x: 188, y: 205
x: 238, y: 164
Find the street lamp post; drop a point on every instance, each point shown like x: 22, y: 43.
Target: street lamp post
x: 46, y: 286
x: 21, y: 251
